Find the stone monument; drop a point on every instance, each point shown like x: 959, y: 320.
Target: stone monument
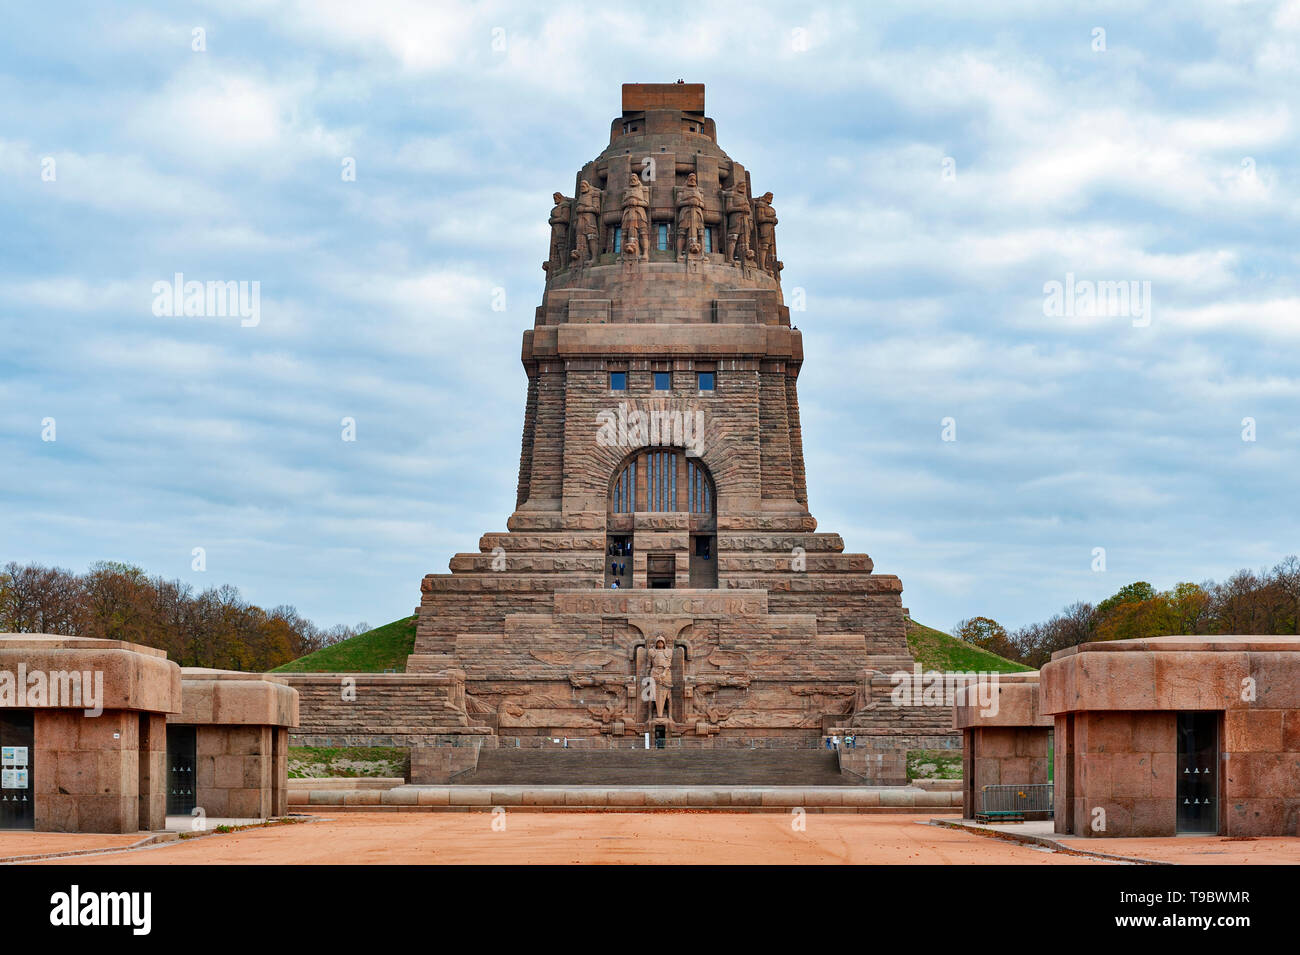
x: 661, y: 525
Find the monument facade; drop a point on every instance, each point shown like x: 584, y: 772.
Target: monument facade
x: 661, y: 573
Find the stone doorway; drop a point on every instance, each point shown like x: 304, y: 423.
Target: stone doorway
x: 1198, y: 773
x: 661, y: 571
x: 618, y: 562
x: 703, y: 562
x: 181, y: 758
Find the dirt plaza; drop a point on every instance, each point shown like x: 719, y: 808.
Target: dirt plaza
x: 663, y: 838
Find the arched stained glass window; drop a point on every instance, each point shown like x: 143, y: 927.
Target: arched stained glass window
x: 662, y: 479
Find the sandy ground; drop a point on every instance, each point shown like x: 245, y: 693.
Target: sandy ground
x: 33, y: 843
x: 1200, y: 850
x: 659, y: 837
x: 672, y: 838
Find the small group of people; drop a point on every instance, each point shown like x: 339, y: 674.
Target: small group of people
x: 850, y: 742
x: 619, y: 547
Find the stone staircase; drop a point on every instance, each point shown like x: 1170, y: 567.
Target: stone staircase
x: 655, y: 767
x: 920, y: 714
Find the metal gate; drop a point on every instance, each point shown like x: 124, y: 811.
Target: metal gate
x: 1198, y: 779
x: 181, y: 757
x: 1013, y: 803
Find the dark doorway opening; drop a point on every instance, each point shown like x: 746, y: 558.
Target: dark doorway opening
x: 972, y: 791
x: 704, y: 564
x: 661, y: 570
x: 181, y: 757
x: 1198, y: 772
x: 17, y: 748
x: 618, y: 562
x: 661, y: 736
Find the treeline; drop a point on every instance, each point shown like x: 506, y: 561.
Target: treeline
x: 206, y: 628
x: 1248, y: 602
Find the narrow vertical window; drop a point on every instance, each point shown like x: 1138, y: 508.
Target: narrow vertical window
x: 663, y: 237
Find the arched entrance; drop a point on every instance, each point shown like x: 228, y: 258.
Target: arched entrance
x: 661, y: 480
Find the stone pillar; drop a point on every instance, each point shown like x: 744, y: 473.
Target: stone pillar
x: 546, y: 483
x: 153, y: 771
x: 86, y: 771
x: 241, y: 723
x: 279, y: 770
x: 526, y: 448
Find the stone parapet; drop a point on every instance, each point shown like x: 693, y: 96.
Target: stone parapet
x: 783, y: 799
x: 227, y: 697
x: 132, y: 677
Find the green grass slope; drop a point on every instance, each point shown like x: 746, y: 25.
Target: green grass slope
x: 936, y: 650
x: 377, y: 650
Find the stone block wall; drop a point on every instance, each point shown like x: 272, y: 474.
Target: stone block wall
x: 379, y: 709
x: 86, y: 773
x: 881, y: 760
x: 241, y: 730
x: 1260, y: 780
x: 233, y: 771
x: 1118, y: 776
x: 1117, y: 706
x: 440, y: 761
x: 1001, y: 756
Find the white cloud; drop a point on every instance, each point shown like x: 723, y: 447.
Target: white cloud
x: 925, y: 296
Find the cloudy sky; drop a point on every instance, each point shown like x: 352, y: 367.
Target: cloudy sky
x: 933, y: 172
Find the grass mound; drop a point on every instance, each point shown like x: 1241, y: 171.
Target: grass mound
x: 936, y: 650
x: 375, y: 651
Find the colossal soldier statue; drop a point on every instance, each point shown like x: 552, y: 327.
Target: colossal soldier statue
x: 588, y: 221
x: 765, y: 219
x: 636, y: 225
x: 739, y: 219
x: 559, y: 232
x: 690, y: 217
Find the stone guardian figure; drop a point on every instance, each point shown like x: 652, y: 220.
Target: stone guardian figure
x: 559, y: 221
x: 661, y: 673
x: 636, y: 222
x: 765, y: 219
x: 739, y: 220
x: 690, y: 217
x: 588, y: 209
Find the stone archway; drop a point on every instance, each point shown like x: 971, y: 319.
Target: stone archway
x: 644, y: 549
